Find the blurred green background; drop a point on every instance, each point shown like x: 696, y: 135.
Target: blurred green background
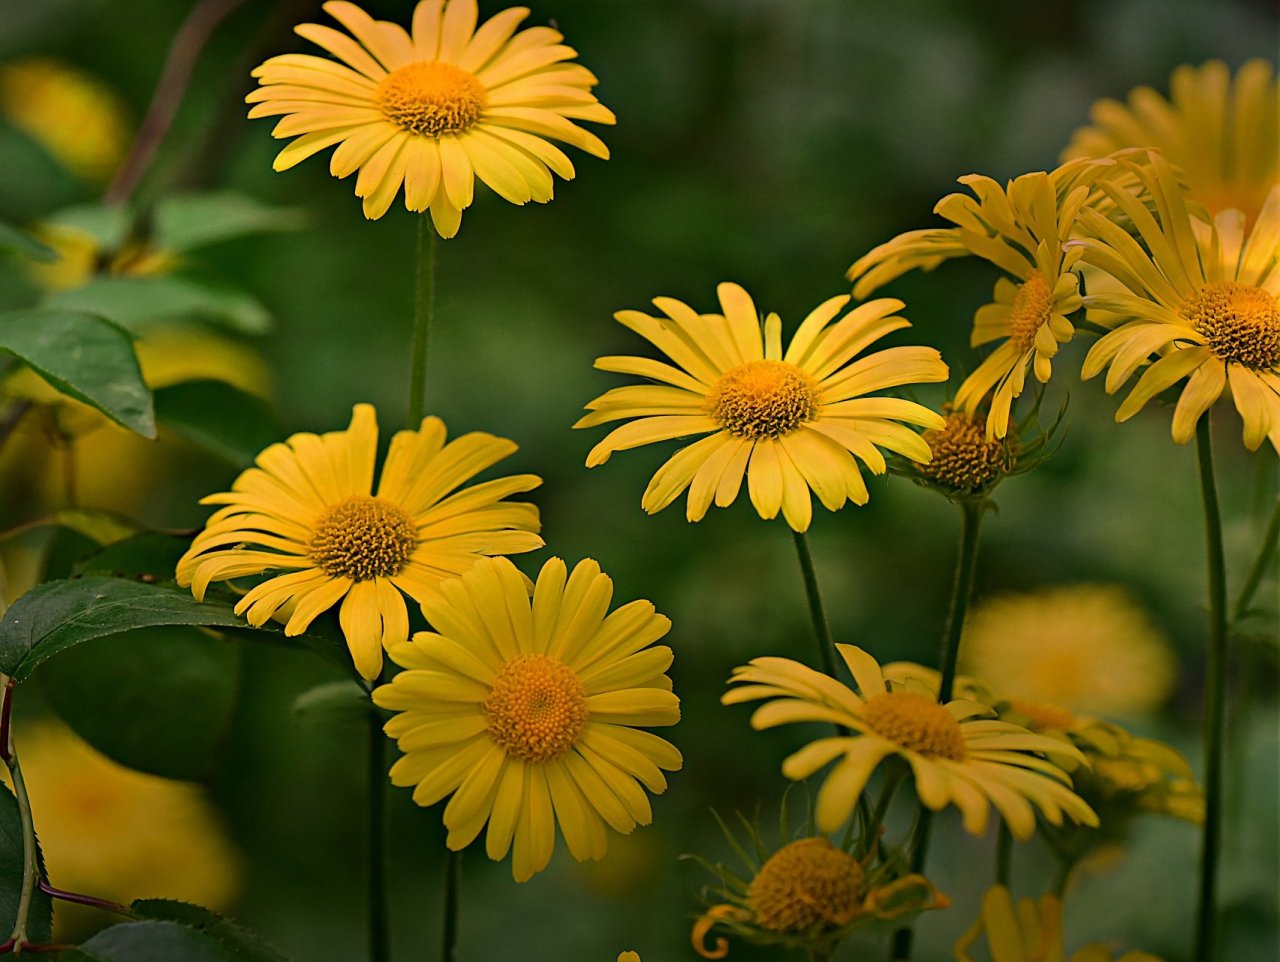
x: 763, y: 142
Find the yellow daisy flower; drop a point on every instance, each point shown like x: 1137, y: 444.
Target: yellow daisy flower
x: 1032, y: 933
x: 524, y: 711
x: 787, y: 422
x: 435, y: 108
x: 1201, y: 297
x: 1223, y: 135
x: 309, y: 509
x: 958, y: 754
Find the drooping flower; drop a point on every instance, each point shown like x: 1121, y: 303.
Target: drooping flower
x: 309, y: 509
x: 1222, y: 134
x: 435, y: 108
x: 1198, y: 302
x: 786, y: 422
x: 958, y: 754
x: 526, y: 712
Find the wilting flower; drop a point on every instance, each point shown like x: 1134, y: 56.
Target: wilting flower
x: 1198, y: 302
x: 786, y: 422
x: 435, y: 108
x: 1223, y: 135
x: 309, y: 509
x: 1031, y: 933
x: 958, y: 754
x: 525, y: 712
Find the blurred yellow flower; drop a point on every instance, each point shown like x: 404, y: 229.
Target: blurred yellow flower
x: 1201, y: 298
x: 958, y: 754
x: 78, y: 120
x: 1091, y: 649
x: 788, y: 422
x: 628, y: 957
x: 524, y: 711
x: 117, y: 834
x: 1031, y: 933
x: 308, y: 509
x: 1223, y: 135
x: 436, y: 109
x: 79, y: 255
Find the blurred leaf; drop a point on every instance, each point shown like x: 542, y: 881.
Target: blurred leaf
x: 107, y: 225
x: 158, y: 700
x: 341, y: 703
x: 84, y: 356
x: 147, y: 556
x: 135, y: 302
x: 12, y: 860
x: 248, y: 945
x: 103, y: 527
x: 222, y: 419
x: 185, y: 223
x: 158, y: 941
x: 18, y: 241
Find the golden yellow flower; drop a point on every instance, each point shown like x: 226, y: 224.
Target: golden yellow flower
x: 1222, y: 134
x: 628, y: 957
x: 1088, y: 648
x: 74, y: 117
x: 118, y: 834
x: 1198, y: 298
x: 433, y: 109
x: 958, y: 754
x: 525, y: 710
x: 787, y: 422
x: 309, y: 509
x: 1031, y: 933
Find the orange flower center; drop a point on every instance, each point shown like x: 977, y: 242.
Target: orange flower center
x: 536, y: 708
x: 1043, y: 716
x: 963, y: 458
x: 431, y: 98
x: 363, y: 538
x: 806, y: 882
x: 1030, y: 310
x: 763, y: 399
x: 1241, y: 323
x: 915, y: 722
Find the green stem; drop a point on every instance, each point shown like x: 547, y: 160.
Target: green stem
x: 895, y: 778
x: 821, y: 627
x: 379, y: 922
x: 449, y: 943
x: 1004, y: 855
x: 961, y: 590
x: 30, y: 865
x: 1258, y: 570
x: 1215, y: 703
x: 424, y: 310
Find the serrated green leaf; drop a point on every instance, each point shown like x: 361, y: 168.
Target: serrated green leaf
x: 154, y: 941
x: 187, y: 222
x: 342, y: 703
x: 222, y: 419
x: 17, y: 241
x: 250, y: 947
x: 84, y: 356
x: 12, y: 859
x: 135, y: 302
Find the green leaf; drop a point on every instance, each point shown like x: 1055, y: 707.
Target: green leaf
x: 85, y: 357
x: 155, y: 941
x: 249, y: 946
x: 135, y: 302
x: 222, y: 419
x: 12, y: 859
x: 196, y: 220
x: 342, y: 703
x: 158, y: 700
x: 17, y: 241
x: 108, y: 225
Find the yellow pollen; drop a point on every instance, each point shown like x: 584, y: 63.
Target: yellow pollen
x: 1043, y: 716
x: 363, y: 538
x: 1241, y: 323
x: 963, y: 458
x: 763, y: 399
x: 808, y: 881
x: 916, y: 722
x: 536, y: 708
x: 431, y: 98
x: 1030, y: 310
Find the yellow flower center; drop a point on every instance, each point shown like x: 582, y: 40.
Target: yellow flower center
x: 1043, y: 716
x: 536, y: 708
x: 363, y: 538
x: 963, y: 458
x: 915, y: 722
x: 763, y: 399
x: 1030, y: 310
x: 431, y: 98
x: 1241, y: 323
x: 808, y: 881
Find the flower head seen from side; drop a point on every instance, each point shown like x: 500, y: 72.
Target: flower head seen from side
x: 966, y: 462
x: 1031, y: 931
x: 527, y: 711
x: 1198, y: 302
x: 433, y: 108
x: 309, y: 509
x: 1222, y: 133
x: 788, y: 422
x: 958, y: 754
